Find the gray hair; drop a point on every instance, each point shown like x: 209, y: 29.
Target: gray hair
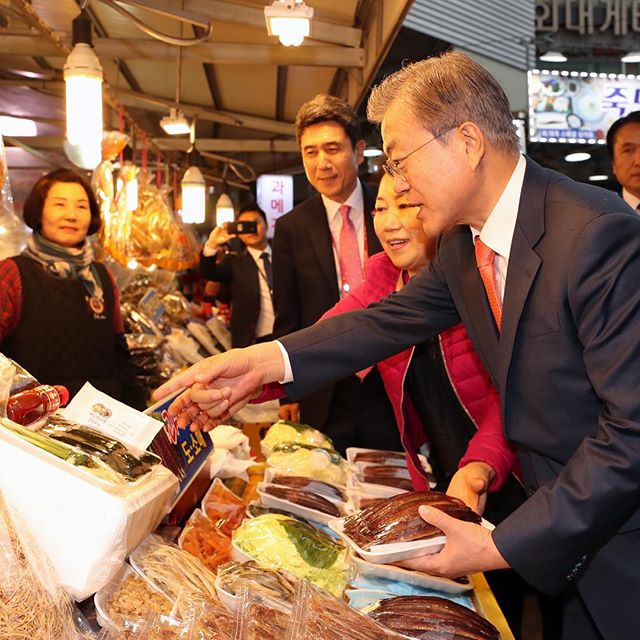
x: 445, y: 91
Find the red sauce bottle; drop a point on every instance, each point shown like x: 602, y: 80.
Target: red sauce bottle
x: 34, y: 404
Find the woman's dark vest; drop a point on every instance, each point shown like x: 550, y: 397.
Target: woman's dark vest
x: 59, y: 339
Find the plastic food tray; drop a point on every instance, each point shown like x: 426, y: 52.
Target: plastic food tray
x: 274, y: 502
x: 394, y: 552
x: 416, y: 578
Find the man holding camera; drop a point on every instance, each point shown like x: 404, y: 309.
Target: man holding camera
x: 247, y: 273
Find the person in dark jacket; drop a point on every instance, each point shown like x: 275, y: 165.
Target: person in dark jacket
x: 248, y: 275
x: 59, y: 308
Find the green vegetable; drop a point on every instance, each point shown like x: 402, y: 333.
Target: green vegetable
x: 313, y: 462
x: 58, y: 449
x: 275, y: 541
x: 283, y: 431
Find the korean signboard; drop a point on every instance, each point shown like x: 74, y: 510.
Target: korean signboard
x: 275, y: 197
x: 572, y: 106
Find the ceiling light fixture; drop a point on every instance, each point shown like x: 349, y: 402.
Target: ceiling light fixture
x: 632, y: 56
x: 578, y: 156
x: 290, y: 20
x: 17, y: 127
x: 553, y: 56
x: 373, y: 152
x: 598, y: 177
x: 83, y: 79
x: 175, y: 124
x: 225, y: 211
x: 193, y: 196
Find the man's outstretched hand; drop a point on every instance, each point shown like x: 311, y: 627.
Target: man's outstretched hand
x: 219, y: 386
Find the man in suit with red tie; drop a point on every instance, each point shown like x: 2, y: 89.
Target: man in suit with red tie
x: 319, y: 252
x: 561, y: 339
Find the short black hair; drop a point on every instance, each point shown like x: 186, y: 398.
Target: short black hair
x: 632, y: 117
x: 33, y: 205
x: 252, y: 206
x: 326, y: 108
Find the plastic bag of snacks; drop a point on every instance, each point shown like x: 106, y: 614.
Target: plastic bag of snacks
x: 32, y: 604
x: 202, y: 539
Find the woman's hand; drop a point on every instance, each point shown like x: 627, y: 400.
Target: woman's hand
x: 471, y: 484
x: 290, y: 412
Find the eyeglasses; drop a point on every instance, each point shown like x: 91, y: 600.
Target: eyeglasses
x: 392, y: 167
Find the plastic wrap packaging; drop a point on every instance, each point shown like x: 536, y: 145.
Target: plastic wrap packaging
x: 233, y: 577
x: 151, y: 234
x: 203, y: 540
x: 174, y: 572
x: 306, y: 460
x: 427, y: 617
x: 86, y: 524
x: 260, y: 617
x: 12, y: 229
x: 32, y: 604
x: 283, y: 432
x: 7, y: 373
x: 280, y: 542
x: 223, y: 507
x: 318, y: 616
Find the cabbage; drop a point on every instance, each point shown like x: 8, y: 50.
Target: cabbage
x: 306, y: 460
x: 276, y: 541
x: 283, y: 431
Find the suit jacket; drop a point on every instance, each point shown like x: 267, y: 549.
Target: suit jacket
x: 567, y: 366
x: 241, y: 272
x: 305, y: 279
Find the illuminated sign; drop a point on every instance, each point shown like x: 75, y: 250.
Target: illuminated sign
x: 275, y: 197
x: 572, y: 106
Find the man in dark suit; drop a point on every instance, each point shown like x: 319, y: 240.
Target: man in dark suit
x: 623, y: 142
x: 553, y: 310
x: 310, y: 273
x: 248, y: 275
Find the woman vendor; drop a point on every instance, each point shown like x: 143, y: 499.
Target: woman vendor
x: 59, y: 309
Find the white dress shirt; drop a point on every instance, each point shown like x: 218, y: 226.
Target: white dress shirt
x: 264, y: 327
x: 334, y: 220
x: 497, y: 232
x: 631, y: 200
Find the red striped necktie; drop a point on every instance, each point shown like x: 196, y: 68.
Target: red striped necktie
x: 485, y: 259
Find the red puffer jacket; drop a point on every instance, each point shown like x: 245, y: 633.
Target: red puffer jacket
x: 468, y: 377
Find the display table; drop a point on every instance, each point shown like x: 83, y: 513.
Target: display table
x: 482, y: 594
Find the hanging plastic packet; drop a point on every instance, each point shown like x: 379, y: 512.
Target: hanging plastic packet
x: 12, y: 229
x: 259, y: 617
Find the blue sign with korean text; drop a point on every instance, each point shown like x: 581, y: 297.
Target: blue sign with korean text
x: 182, y: 451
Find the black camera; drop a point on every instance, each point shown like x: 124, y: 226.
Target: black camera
x: 242, y: 227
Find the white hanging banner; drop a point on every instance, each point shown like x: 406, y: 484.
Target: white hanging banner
x: 275, y: 197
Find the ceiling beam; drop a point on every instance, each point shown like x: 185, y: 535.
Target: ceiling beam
x: 152, y: 103
x: 229, y: 145
x: 159, y: 104
x: 209, y: 52
x: 220, y: 11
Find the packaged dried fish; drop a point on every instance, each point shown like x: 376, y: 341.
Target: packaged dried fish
x: 310, y: 484
x: 396, y: 519
x: 429, y: 617
x: 278, y: 584
x: 306, y: 499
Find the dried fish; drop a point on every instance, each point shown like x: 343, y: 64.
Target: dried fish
x: 382, y: 457
x: 396, y: 519
x: 304, y: 499
x: 432, y: 617
x: 310, y: 484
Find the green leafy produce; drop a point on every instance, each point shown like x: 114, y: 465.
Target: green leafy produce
x: 284, y: 431
x: 275, y: 541
x: 307, y: 460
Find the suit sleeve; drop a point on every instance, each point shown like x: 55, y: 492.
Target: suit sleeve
x: 286, y: 304
x: 213, y: 268
x: 340, y: 346
x: 562, y: 526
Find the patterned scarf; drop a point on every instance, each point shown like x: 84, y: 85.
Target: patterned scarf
x: 76, y: 263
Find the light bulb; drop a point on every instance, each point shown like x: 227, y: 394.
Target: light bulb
x: 132, y: 194
x: 224, y: 210
x: 83, y: 79
x: 193, y: 196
